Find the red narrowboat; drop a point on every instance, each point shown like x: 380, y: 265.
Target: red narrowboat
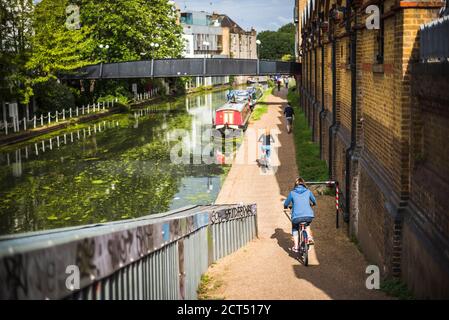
x: 233, y: 116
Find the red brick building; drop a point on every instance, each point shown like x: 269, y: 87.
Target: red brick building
x: 381, y: 116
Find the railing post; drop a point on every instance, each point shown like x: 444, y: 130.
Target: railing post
x: 63, y: 114
x: 49, y: 118
x: 6, y: 127
x: 88, y: 108
x: 152, y: 68
x: 337, y: 206
x: 42, y: 119
x: 70, y: 112
x: 34, y: 122
x: 24, y: 123
x: 56, y: 114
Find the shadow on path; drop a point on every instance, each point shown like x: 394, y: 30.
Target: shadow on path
x: 284, y: 241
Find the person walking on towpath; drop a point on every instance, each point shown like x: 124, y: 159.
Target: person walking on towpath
x: 289, y: 114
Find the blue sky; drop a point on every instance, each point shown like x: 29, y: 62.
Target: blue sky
x: 260, y: 14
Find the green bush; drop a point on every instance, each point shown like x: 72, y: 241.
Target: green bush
x: 396, y: 288
x: 122, y: 101
x: 180, y: 86
x: 51, y: 96
x: 310, y: 166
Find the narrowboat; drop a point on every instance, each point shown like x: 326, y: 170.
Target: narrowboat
x: 233, y: 115
x: 255, y: 93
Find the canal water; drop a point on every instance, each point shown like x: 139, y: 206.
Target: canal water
x: 120, y: 167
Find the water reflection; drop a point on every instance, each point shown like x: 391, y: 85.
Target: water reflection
x: 32, y: 152
x: 117, y: 168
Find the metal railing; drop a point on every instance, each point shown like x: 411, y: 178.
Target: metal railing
x: 434, y: 41
x: 196, y: 67
x: 155, y: 257
x: 16, y: 125
x: 146, y: 95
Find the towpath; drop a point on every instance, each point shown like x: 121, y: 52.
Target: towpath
x: 265, y: 268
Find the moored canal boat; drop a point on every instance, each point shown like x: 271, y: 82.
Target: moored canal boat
x: 233, y: 115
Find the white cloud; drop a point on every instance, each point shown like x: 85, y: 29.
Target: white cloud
x: 284, y: 20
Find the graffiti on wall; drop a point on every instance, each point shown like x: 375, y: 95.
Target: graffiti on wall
x: 236, y: 212
x: 41, y: 273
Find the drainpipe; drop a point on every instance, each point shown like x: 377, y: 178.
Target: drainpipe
x: 315, y: 90
x: 350, y: 150
x: 306, y: 77
x: 334, y: 106
x: 310, y: 81
x: 322, y: 99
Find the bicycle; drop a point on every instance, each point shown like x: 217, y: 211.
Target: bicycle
x: 265, y: 158
x: 304, y: 243
x: 304, y: 246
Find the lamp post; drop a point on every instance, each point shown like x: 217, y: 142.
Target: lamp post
x: 153, y: 46
x: 105, y: 48
x: 258, y: 43
x: 206, y: 44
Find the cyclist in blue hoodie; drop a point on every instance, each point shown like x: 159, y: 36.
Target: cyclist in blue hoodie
x: 301, y: 198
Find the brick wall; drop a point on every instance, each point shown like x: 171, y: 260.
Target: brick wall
x: 328, y: 77
x: 399, y: 172
x: 343, y: 84
x: 426, y: 226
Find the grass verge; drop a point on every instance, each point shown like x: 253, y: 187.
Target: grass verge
x: 396, y: 288
x: 261, y: 107
x: 207, y: 287
x: 310, y: 166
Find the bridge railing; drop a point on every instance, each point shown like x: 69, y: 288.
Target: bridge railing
x: 155, y: 257
x: 197, y: 67
x: 434, y: 44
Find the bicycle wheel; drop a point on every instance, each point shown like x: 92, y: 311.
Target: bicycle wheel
x: 305, y: 251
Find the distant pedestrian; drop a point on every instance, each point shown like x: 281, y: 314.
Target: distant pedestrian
x: 279, y: 85
x: 289, y: 114
x: 286, y: 83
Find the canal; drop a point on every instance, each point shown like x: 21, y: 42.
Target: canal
x: 120, y: 167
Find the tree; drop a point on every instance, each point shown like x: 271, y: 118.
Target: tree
x: 132, y: 29
x: 15, y: 34
x: 287, y: 58
x: 277, y: 44
x: 56, y: 48
x: 116, y: 31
